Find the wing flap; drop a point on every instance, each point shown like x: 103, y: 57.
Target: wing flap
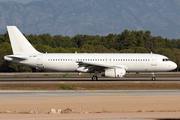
x: 96, y: 66
x: 92, y: 66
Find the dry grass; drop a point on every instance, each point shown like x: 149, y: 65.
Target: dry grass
x: 89, y: 86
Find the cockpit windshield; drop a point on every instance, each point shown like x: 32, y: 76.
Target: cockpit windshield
x: 166, y: 59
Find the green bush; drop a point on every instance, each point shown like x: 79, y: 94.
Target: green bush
x: 65, y: 75
x: 66, y: 87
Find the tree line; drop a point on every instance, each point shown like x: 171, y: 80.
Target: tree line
x: 126, y: 42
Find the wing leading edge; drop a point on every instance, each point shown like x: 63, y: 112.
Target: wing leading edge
x: 95, y: 66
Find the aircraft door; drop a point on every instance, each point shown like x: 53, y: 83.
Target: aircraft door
x: 39, y: 61
x: 153, y: 60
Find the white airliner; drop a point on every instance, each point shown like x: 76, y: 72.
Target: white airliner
x: 106, y: 64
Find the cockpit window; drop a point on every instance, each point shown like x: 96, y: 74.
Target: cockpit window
x: 166, y: 59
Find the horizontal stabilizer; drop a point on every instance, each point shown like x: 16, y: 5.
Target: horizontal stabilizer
x: 18, y: 57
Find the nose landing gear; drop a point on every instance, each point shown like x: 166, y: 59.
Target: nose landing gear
x: 153, y: 78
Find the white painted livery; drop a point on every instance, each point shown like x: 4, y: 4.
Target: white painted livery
x: 108, y: 64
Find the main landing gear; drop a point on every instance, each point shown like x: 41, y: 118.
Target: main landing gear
x: 94, y: 78
x: 153, y: 78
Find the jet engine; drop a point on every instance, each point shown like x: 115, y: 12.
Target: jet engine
x: 115, y: 72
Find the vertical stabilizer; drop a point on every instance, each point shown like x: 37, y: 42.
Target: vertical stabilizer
x: 20, y: 45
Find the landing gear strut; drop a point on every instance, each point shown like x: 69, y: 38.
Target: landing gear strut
x: 153, y: 78
x: 94, y: 78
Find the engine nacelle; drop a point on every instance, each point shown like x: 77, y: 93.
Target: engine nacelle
x: 115, y: 72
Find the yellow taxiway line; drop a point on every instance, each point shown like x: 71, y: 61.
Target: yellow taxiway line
x: 108, y: 94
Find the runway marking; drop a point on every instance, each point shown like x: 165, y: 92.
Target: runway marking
x: 61, y: 82
x: 108, y: 94
x: 137, y: 82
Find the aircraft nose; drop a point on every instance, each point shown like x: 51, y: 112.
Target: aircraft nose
x: 174, y: 65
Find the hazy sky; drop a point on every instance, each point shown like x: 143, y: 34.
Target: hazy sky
x: 20, y: 1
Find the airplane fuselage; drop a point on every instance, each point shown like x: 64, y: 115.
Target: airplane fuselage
x: 67, y: 62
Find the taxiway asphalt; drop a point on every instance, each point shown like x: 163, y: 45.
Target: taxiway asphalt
x: 93, y: 93
x: 88, y: 79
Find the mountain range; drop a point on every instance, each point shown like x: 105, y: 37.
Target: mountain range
x: 93, y: 17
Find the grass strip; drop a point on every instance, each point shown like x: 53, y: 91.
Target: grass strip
x: 89, y: 86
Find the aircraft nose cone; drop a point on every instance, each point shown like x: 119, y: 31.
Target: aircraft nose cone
x: 174, y: 66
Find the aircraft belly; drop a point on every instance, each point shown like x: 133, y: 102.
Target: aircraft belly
x: 133, y: 66
x: 136, y: 68
x: 67, y: 67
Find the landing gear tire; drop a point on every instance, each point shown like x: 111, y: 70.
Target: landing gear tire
x: 94, y: 78
x: 153, y: 78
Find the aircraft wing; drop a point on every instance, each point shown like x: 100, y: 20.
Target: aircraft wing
x: 94, y: 66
